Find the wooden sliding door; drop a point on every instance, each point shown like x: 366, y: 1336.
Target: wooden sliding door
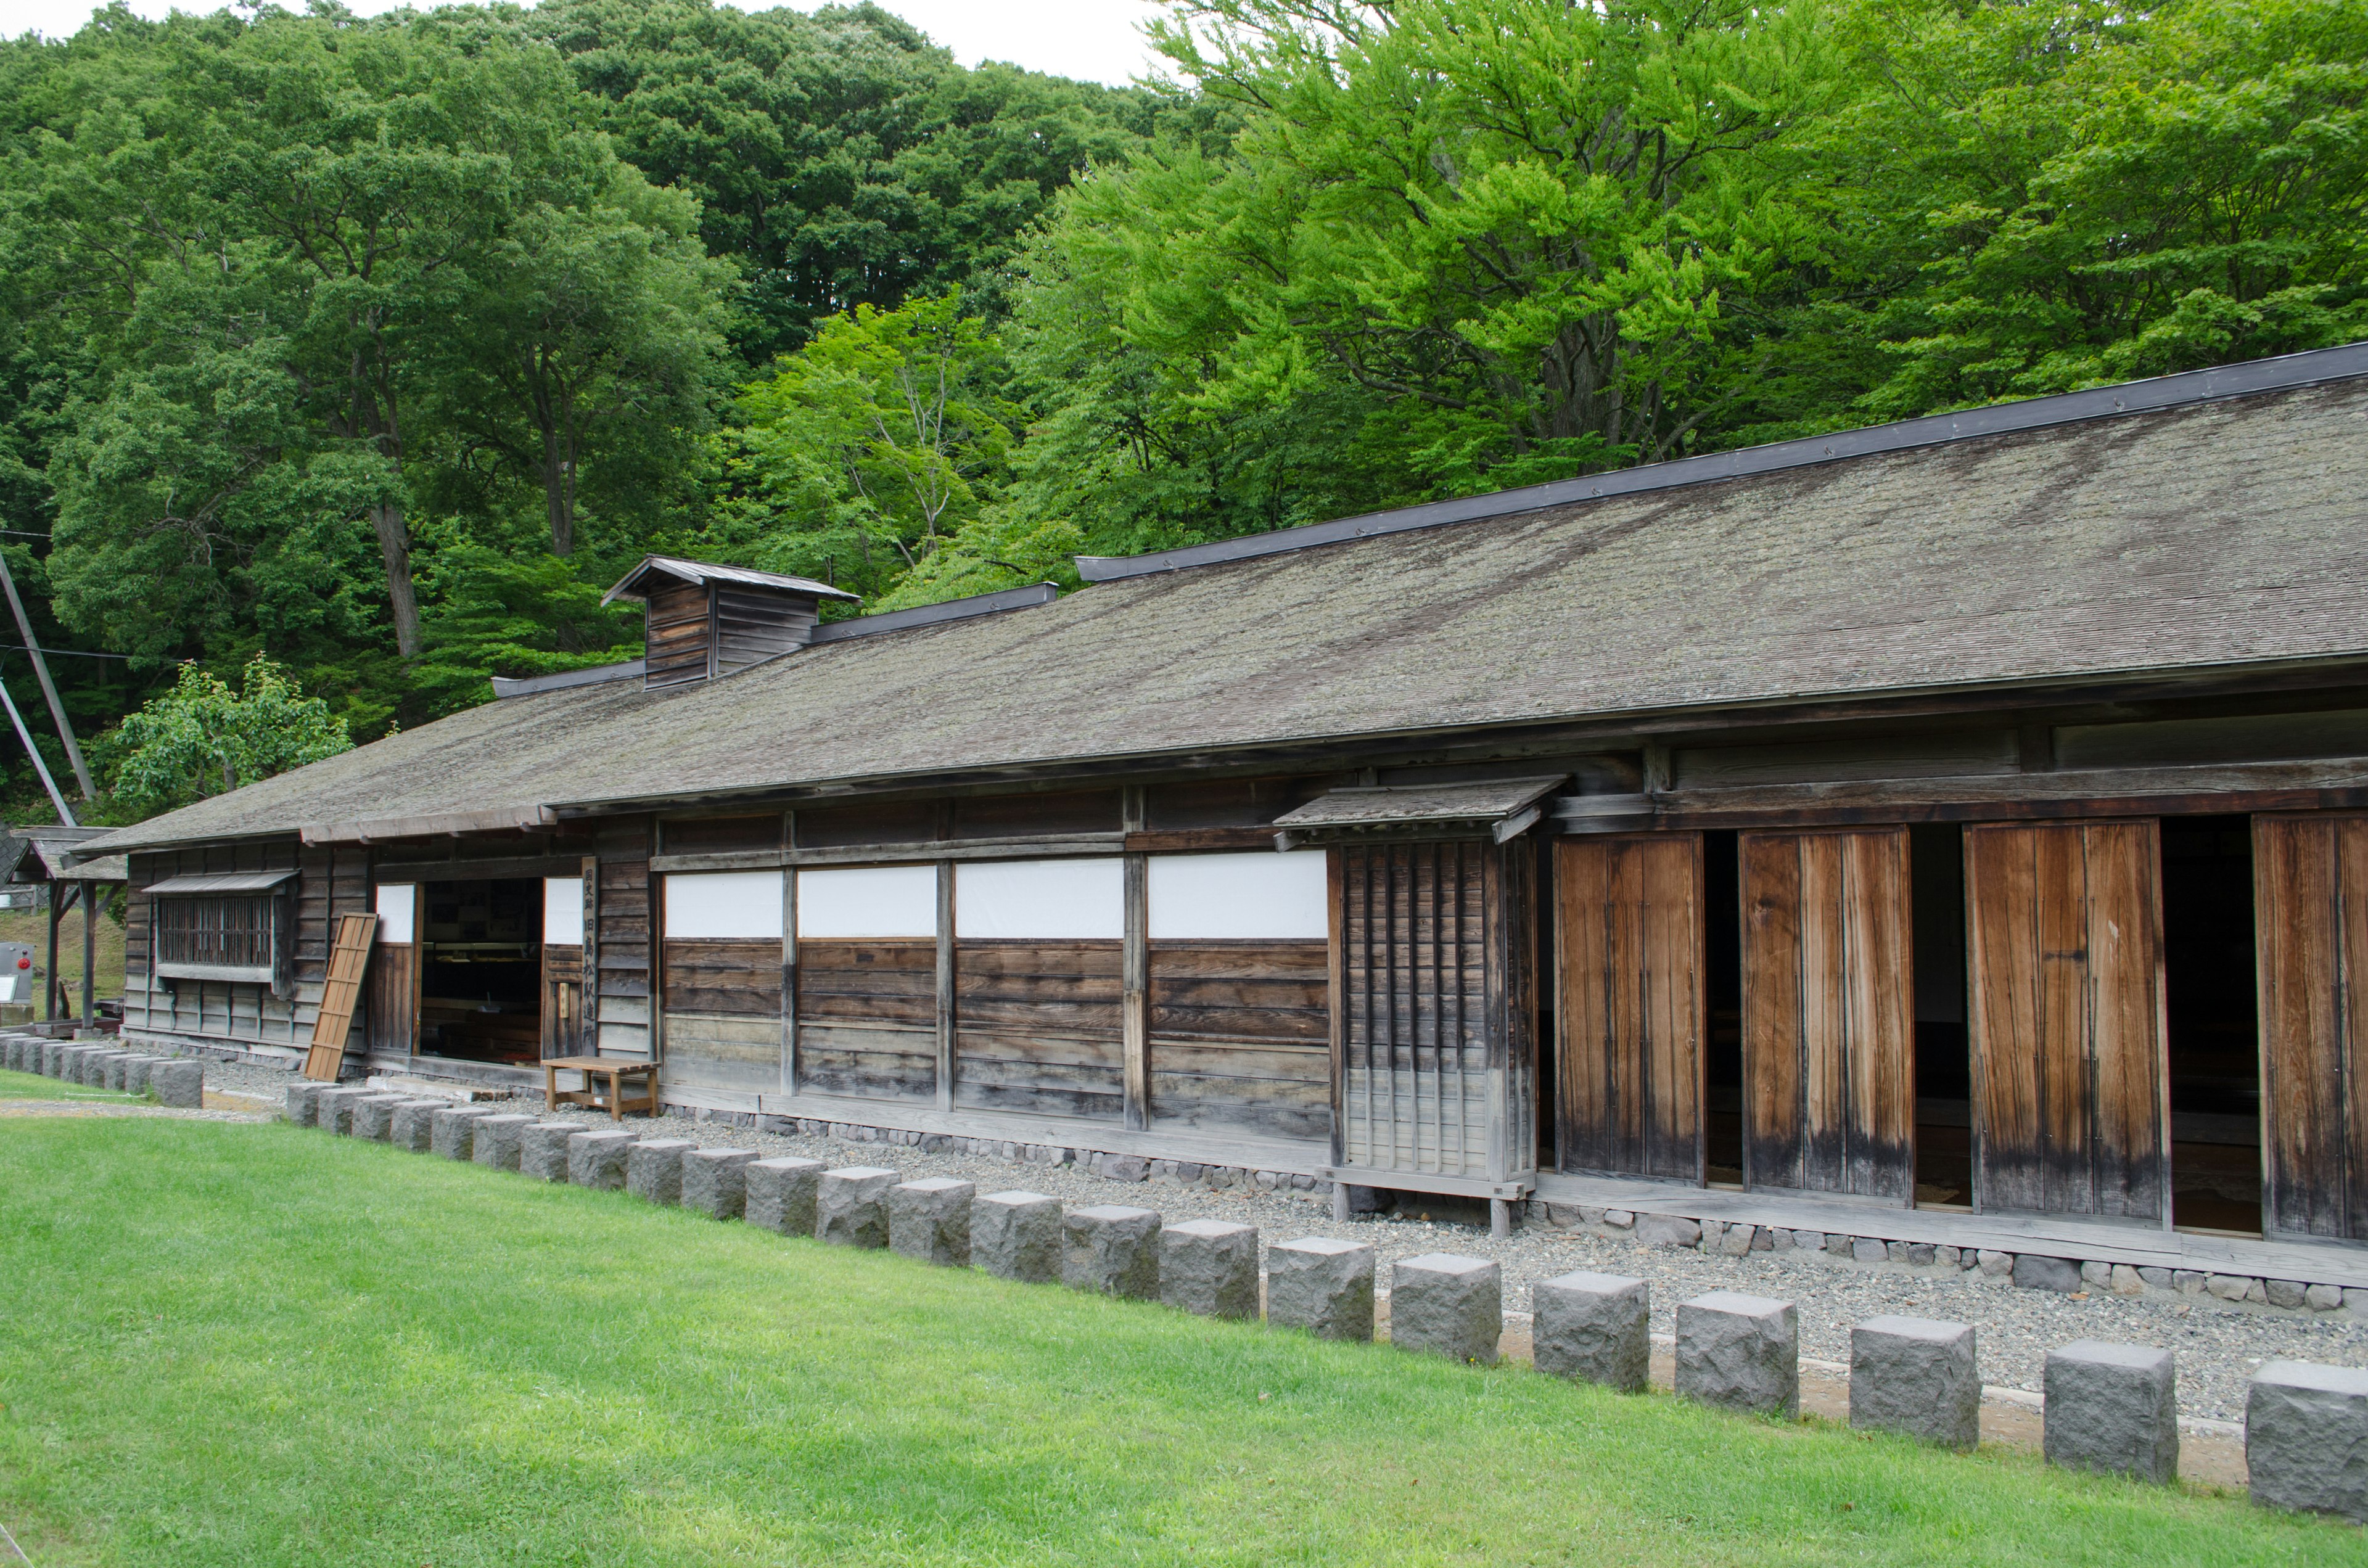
x: 390, y: 1005
x: 1828, y: 1004
x: 2070, y: 1082
x: 1631, y: 1008
x: 2310, y: 879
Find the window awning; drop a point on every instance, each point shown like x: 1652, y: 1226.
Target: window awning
x: 222, y: 881
x: 1501, y: 808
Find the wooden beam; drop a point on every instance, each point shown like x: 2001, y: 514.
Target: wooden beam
x: 1135, y: 997
x: 946, y: 1021
x: 1065, y: 846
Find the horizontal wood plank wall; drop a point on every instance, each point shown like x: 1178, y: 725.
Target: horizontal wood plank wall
x: 1241, y: 1038
x: 236, y: 1013
x: 1828, y: 1000
x: 391, y: 998
x: 1036, y: 1028
x: 2310, y: 879
x: 867, y: 1018
x: 1413, y: 1083
x: 1633, y: 1008
x: 2069, y: 1071
x: 563, y: 998
x: 679, y: 634
x: 622, y: 950
x: 755, y: 624
x: 723, y: 1013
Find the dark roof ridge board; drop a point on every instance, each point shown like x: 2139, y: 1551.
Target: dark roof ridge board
x: 2285, y: 372
x: 526, y: 685
x: 1025, y: 597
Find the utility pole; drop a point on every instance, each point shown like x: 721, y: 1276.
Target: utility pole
x: 49, y: 689
x: 66, y: 813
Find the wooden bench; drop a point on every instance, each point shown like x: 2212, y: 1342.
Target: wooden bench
x: 618, y: 1070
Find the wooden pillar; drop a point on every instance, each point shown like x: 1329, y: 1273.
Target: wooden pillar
x: 89, y: 953
x: 587, y: 1010
x: 789, y: 976
x: 1135, y: 973
x: 49, y: 973
x: 945, y: 985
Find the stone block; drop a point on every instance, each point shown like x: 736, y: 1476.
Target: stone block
x: 53, y: 1059
x: 452, y: 1130
x: 136, y: 1069
x: 1322, y: 1284
x: 1868, y: 1249
x: 2159, y: 1278
x: 2112, y: 1407
x: 851, y: 1205
x: 12, y: 1052
x: 1210, y: 1268
x: 111, y: 1068
x: 929, y: 1221
x: 374, y: 1115
x: 1809, y: 1241
x: 653, y: 1169
x: 1996, y: 1265
x: 2227, y: 1286
x: 1740, y: 1353
x: 1736, y: 1242
x: 332, y: 1110
x: 496, y: 1140
x: 77, y: 1060
x: 2306, y: 1439
x: 179, y: 1083
x: 1123, y: 1167
x: 542, y: 1149
x: 94, y: 1065
x: 2032, y: 1272
x: 1441, y: 1304
x: 2126, y: 1281
x: 1592, y: 1327
x: 299, y: 1105
x: 1016, y: 1236
x: 1916, y: 1376
x: 2323, y: 1298
x: 2284, y: 1293
x: 716, y: 1180
x: 413, y: 1126
x: 780, y: 1195
x: 2097, y: 1276
x: 1111, y: 1250
x: 597, y: 1158
x: 1840, y: 1245
x: 1668, y: 1231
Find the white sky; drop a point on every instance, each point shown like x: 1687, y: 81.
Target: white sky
x: 1098, y: 41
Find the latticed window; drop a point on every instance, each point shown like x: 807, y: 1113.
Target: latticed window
x: 227, y: 927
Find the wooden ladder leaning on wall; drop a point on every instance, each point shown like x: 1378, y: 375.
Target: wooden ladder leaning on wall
x: 340, y: 994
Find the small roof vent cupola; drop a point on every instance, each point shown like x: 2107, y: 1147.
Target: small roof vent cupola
x: 701, y: 621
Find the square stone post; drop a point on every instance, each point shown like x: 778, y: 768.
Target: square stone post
x: 495, y: 1140
x: 2306, y: 1439
x: 1322, y: 1284
x: 1210, y: 1268
x: 1111, y: 1249
x: 715, y: 1181
x: 851, y: 1206
x: 653, y: 1169
x: 780, y: 1195
x: 303, y: 1099
x: 413, y: 1126
x: 180, y: 1083
x: 452, y: 1130
x: 374, y: 1117
x: 1016, y: 1236
x: 542, y: 1149
x: 1740, y: 1353
x: 1441, y: 1304
x: 597, y: 1159
x: 1594, y: 1327
x: 1917, y: 1377
x: 2112, y: 1407
x: 929, y: 1220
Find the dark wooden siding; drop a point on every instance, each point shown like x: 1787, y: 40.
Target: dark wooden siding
x: 239, y: 1012
x: 2310, y: 879
x: 723, y: 1024
x: 844, y: 827
x: 1631, y: 1003
x: 1012, y: 816
x: 1829, y: 1001
x: 1036, y: 1028
x: 1240, y: 1036
x: 562, y: 999
x: 1225, y: 802
x: 1435, y: 997
x: 868, y: 1018
x: 676, y: 635
x: 707, y: 836
x: 2067, y: 1030
x: 753, y: 624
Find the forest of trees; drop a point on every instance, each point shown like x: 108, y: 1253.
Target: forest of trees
x: 381, y: 346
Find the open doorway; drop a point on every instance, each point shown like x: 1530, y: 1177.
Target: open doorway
x: 1723, y: 992
x: 480, y: 988
x: 2213, y: 1011
x: 1944, y: 1077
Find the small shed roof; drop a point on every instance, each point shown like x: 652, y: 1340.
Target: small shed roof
x: 222, y: 881
x: 2211, y: 535
x: 634, y: 583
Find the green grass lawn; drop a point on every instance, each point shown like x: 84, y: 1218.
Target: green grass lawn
x: 246, y: 1344
x: 33, y: 1086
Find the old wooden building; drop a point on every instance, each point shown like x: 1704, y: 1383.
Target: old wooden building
x: 1960, y: 825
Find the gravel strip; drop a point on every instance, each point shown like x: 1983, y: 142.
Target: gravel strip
x: 2218, y: 1344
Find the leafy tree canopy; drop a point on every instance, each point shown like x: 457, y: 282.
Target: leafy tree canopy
x: 200, y: 738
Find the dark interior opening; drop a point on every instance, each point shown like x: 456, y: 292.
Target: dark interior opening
x: 2215, y: 1065
x: 1944, y: 1073
x: 1722, y: 986
x: 480, y: 988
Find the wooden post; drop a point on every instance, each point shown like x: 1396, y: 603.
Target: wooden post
x: 587, y: 1009
x: 945, y: 985
x: 789, y: 975
x: 1134, y: 995
x: 50, y: 975
x: 89, y: 953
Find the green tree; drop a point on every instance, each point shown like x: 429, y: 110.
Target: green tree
x: 879, y: 439
x: 201, y: 738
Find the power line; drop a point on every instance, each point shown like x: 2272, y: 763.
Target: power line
x: 59, y: 653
